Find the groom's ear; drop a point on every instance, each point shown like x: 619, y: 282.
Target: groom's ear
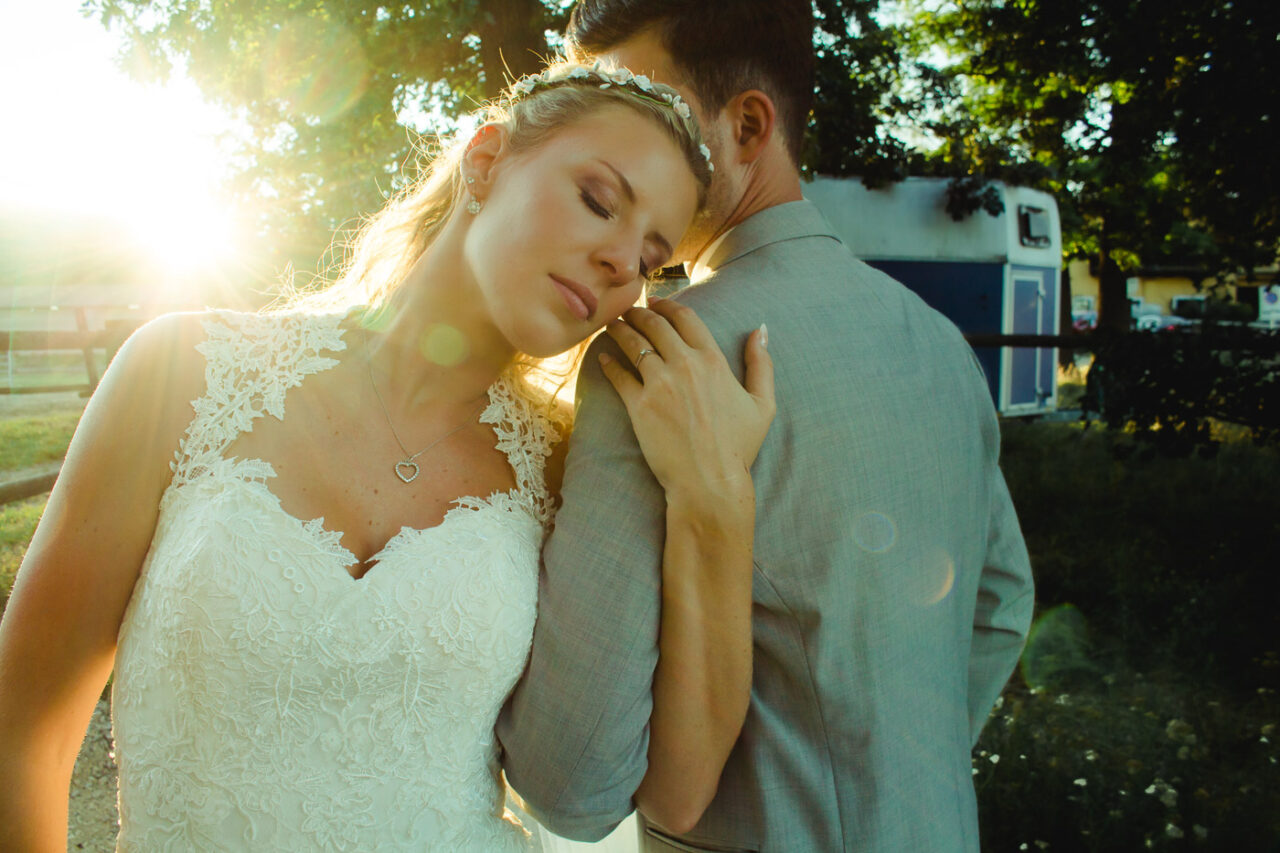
x: 485, y: 150
x: 754, y: 119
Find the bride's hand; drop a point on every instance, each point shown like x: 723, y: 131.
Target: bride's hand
x: 698, y: 426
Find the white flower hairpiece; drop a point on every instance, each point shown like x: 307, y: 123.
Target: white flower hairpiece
x: 638, y: 85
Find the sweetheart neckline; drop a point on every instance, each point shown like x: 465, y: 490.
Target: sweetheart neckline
x: 330, y: 541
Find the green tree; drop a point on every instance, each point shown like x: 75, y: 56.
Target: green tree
x: 325, y: 88
x: 869, y: 87
x: 1150, y: 120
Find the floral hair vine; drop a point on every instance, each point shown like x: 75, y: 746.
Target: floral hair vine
x: 636, y: 85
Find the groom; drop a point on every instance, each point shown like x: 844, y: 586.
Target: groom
x: 892, y: 591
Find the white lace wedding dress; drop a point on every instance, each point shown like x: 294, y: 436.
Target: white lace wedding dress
x: 264, y: 699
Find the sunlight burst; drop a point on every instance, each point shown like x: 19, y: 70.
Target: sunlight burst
x: 150, y: 160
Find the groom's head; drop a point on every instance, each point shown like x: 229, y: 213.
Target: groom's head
x: 746, y: 67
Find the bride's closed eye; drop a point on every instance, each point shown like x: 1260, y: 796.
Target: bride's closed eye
x: 599, y: 209
x: 594, y: 204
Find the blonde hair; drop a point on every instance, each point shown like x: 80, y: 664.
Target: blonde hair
x: 370, y: 267
x: 377, y: 261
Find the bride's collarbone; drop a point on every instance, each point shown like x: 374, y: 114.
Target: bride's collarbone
x: 340, y: 465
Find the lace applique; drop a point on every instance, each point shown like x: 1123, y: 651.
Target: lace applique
x: 252, y: 360
x: 265, y: 699
x: 526, y: 435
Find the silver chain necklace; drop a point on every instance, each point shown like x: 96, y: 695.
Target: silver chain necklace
x: 407, y: 469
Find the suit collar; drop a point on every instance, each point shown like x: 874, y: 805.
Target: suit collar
x: 771, y: 225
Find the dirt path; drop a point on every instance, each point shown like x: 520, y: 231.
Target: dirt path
x: 91, y: 824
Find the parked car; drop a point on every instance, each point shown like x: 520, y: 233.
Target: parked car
x: 1162, y: 322
x: 1084, y: 317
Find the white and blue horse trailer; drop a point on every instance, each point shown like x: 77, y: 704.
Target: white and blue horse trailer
x: 987, y: 274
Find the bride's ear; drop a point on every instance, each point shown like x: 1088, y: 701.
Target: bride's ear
x: 484, y: 152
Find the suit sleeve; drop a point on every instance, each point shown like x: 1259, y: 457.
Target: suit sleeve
x: 1006, y: 599
x: 575, y: 730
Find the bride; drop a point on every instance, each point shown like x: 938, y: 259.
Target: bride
x: 306, y: 542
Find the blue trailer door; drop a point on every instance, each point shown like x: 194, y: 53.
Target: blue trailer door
x: 1034, y: 312
x: 1026, y: 321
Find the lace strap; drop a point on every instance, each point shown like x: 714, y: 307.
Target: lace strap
x: 526, y: 434
x: 251, y: 361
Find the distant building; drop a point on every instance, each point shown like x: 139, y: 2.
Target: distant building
x: 1156, y: 292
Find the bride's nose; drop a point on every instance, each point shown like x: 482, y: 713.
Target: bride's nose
x: 620, y: 259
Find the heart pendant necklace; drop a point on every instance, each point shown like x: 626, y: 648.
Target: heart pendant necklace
x: 407, y: 468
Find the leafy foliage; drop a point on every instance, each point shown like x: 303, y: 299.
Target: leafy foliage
x: 1124, y: 109
x: 325, y: 90
x: 1167, y: 559
x: 1121, y: 108
x: 1144, y: 714
x: 860, y: 97
x: 1169, y: 389
x: 1132, y: 761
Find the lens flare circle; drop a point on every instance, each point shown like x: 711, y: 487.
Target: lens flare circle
x: 875, y: 532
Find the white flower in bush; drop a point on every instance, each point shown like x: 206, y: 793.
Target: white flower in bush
x: 1164, y: 792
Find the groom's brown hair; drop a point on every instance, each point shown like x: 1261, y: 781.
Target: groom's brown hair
x: 722, y: 47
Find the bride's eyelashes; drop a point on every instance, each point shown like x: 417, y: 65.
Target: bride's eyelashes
x: 599, y: 209
x: 594, y: 204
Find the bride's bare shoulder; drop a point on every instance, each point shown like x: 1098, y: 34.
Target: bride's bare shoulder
x: 160, y: 358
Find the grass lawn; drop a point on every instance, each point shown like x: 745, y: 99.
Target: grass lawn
x: 26, y: 442
x: 36, y: 439
x: 17, y: 523
x: 54, y: 367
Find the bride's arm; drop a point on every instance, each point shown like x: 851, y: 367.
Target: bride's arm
x: 58, y: 635
x: 700, y: 431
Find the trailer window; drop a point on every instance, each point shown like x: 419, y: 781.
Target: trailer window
x: 1033, y: 225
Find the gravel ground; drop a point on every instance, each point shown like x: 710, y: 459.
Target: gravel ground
x: 91, y: 823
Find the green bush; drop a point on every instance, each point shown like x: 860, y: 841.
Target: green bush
x: 1168, y: 388
x: 1144, y: 713
x: 1128, y: 763
x: 1171, y: 561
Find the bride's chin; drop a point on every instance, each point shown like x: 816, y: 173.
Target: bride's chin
x: 547, y: 343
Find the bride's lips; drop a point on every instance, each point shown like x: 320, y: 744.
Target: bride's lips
x: 581, y: 301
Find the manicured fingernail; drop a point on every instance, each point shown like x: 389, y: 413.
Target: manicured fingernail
x: 764, y: 336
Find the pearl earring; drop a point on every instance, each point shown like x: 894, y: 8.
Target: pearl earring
x: 473, y: 206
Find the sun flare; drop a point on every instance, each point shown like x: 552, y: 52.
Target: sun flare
x: 89, y: 142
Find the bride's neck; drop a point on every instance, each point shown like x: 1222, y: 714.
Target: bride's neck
x: 434, y: 342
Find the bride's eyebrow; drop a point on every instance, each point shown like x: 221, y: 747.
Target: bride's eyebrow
x: 622, y: 179
x: 630, y: 193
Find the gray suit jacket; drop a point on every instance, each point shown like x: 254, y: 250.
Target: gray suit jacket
x: 892, y: 589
